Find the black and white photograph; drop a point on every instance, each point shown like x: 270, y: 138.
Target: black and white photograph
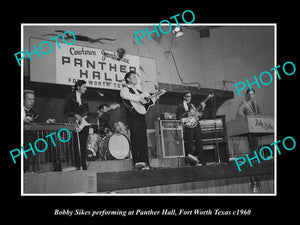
x: 168, y: 116
x: 144, y: 111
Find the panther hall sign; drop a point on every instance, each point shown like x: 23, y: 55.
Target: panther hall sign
x: 99, y: 68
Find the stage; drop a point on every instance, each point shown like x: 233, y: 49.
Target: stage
x: 118, y: 177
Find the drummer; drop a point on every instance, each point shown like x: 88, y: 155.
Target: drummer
x: 103, y: 120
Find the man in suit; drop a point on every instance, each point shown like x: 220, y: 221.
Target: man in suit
x: 76, y: 107
x: 191, y: 134
x: 249, y: 106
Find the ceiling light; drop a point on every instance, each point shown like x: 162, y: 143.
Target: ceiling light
x: 177, y: 31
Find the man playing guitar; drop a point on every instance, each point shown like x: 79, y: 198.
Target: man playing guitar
x: 185, y: 111
x: 76, y: 108
x: 134, y: 100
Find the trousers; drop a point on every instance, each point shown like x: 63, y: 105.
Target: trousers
x: 190, y: 135
x: 80, y: 150
x: 138, y: 138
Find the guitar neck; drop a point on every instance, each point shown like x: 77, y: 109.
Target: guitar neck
x: 108, y: 109
x: 204, y: 101
x: 111, y: 107
x: 156, y: 94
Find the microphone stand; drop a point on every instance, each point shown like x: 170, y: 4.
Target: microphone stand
x: 215, y: 127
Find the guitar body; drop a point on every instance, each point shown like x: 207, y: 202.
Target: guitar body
x: 190, y: 122
x: 192, y: 119
x: 84, y: 122
x: 141, y: 108
x: 79, y: 125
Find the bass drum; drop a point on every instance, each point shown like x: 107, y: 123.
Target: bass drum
x: 115, y: 146
x: 92, y: 146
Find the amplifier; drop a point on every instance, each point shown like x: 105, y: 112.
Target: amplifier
x: 214, y: 139
x: 169, y: 138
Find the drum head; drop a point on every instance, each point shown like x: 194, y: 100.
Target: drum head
x: 118, y: 146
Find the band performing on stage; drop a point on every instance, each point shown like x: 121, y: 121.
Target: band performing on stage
x: 100, y: 141
x: 123, y: 140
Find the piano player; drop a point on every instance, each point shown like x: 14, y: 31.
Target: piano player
x: 30, y: 115
x: 249, y: 106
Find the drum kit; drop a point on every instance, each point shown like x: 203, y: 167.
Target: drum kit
x: 109, y: 145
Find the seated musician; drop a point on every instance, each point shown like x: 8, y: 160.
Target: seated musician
x: 103, y: 119
x: 249, y: 106
x: 191, y: 134
x: 30, y: 115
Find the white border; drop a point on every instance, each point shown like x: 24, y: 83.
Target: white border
x: 151, y: 24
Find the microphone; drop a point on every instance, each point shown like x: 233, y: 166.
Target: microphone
x: 100, y: 94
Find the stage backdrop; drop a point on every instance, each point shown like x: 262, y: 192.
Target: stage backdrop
x: 100, y: 68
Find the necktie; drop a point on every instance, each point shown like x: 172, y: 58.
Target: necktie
x: 253, y: 106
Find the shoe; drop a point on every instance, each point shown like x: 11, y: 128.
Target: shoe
x: 140, y: 165
x: 84, y: 166
x: 146, y: 168
x: 192, y: 159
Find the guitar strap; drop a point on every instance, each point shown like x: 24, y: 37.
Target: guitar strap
x: 78, y: 98
x: 186, y: 109
x: 185, y: 106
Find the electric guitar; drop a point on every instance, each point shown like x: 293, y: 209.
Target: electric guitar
x: 144, y: 108
x: 192, y: 119
x: 84, y: 120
